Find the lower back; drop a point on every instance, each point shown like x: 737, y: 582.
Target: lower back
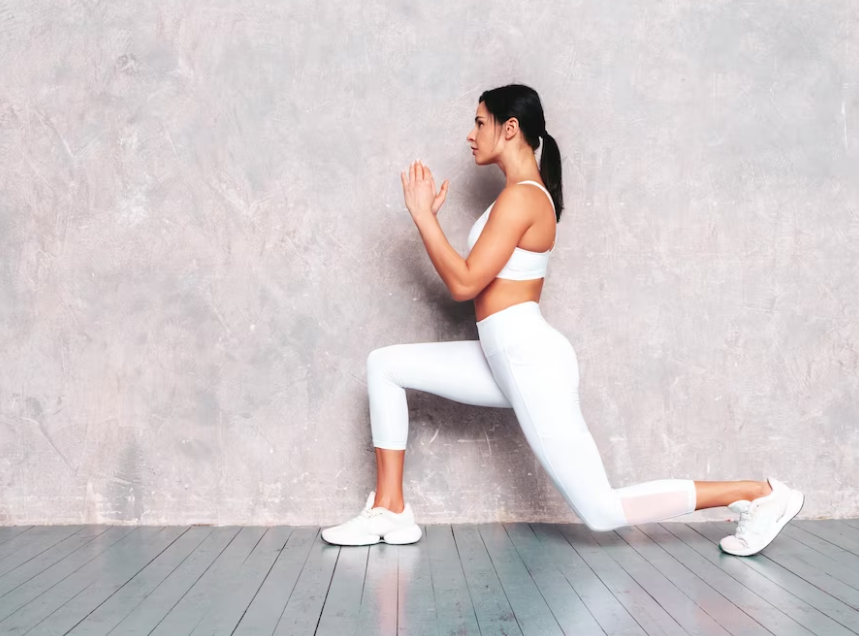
x: 502, y: 293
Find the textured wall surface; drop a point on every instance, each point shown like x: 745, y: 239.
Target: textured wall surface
x: 202, y: 237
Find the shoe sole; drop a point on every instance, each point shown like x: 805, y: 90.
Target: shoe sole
x: 403, y: 537
x: 794, y: 506
x: 395, y: 537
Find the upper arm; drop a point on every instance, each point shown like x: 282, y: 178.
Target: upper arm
x: 507, y: 223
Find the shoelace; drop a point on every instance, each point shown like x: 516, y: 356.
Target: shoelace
x: 744, y: 523
x: 367, y: 513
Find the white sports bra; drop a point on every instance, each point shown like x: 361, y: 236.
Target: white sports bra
x: 523, y: 265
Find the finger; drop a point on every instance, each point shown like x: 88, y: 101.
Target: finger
x: 444, y: 187
x: 404, y: 180
x: 442, y: 194
x: 412, y: 172
x: 427, y: 173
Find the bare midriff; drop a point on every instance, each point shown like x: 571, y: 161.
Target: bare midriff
x: 502, y: 293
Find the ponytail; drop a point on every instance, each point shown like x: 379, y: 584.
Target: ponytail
x: 550, y: 171
x: 523, y: 103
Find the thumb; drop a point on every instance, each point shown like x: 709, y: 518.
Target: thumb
x: 443, y: 191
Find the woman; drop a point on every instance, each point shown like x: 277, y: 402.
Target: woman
x: 521, y: 361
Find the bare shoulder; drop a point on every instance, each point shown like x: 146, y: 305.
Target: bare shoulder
x: 521, y: 198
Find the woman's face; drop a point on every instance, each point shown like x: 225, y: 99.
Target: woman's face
x: 482, y: 137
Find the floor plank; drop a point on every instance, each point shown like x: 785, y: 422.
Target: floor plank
x: 818, y: 570
x: 647, y: 612
x: 731, y: 618
x: 416, y: 608
x: 167, y: 547
x: 826, y: 604
x: 38, y: 564
x: 743, y: 598
x: 568, y: 609
x: 516, y: 578
x: 147, y: 614
x: 230, y: 604
x: 32, y: 589
x: 454, y: 606
x: 530, y: 608
x: 743, y: 571
x: 845, y: 526
x: 301, y: 614
x: 142, y: 545
x: 831, y: 532
x: 343, y: 604
x: 26, y: 546
x: 10, y: 532
x: 119, y: 605
x: 821, y: 545
x: 494, y: 613
x: 265, y: 610
x: 802, y: 559
x: 378, y: 615
x: 196, y: 602
x: 682, y: 605
x: 609, y: 612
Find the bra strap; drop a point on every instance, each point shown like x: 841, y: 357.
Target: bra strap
x: 534, y: 183
x: 551, y: 200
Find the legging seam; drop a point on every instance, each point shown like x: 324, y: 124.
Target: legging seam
x: 515, y: 387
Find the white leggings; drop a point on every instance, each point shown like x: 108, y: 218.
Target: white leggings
x: 521, y: 362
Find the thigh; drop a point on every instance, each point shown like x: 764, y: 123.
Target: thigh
x: 541, y: 383
x: 455, y: 370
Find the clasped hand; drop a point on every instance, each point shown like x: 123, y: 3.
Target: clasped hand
x: 419, y: 190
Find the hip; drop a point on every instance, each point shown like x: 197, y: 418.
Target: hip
x: 524, y: 334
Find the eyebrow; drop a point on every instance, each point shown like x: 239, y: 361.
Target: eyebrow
x: 477, y: 119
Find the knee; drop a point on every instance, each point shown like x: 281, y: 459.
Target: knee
x: 380, y: 361
x: 602, y: 517
x: 600, y: 524
x: 375, y: 363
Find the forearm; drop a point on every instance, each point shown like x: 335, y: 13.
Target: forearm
x: 452, y: 268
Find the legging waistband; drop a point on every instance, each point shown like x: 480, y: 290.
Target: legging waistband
x: 497, y: 328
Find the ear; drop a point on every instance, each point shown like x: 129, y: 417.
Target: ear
x: 511, y: 127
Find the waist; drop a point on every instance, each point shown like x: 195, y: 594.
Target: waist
x: 501, y: 294
x: 498, y: 328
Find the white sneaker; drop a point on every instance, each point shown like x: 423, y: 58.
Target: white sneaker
x: 762, y: 519
x: 374, y: 525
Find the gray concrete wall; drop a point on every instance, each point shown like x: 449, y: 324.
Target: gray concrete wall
x: 202, y: 237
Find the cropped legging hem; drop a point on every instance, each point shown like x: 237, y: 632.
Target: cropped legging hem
x: 523, y: 363
x: 396, y: 446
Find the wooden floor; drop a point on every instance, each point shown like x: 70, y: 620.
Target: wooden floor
x: 530, y: 579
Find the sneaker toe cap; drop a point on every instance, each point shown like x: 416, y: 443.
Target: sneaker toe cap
x: 336, y: 535
x: 330, y: 535
x: 732, y: 545
x: 344, y: 535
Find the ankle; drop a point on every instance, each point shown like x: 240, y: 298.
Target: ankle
x: 395, y: 505
x: 763, y: 489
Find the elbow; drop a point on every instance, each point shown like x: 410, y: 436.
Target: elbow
x: 466, y: 286
x: 461, y: 293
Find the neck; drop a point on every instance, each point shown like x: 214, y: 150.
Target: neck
x: 520, y: 166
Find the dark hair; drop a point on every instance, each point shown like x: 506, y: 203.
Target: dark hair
x: 523, y: 103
